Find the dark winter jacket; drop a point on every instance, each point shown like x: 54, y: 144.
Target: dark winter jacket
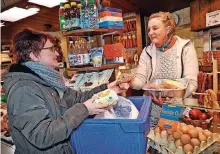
x: 39, y: 121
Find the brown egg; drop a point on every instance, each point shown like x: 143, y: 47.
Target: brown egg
x: 195, y: 142
x: 190, y: 126
x: 207, y: 133
x: 178, y: 143
x: 170, y: 138
x: 193, y: 133
x: 176, y: 134
x: 184, y: 129
x: 202, y: 137
x: 180, y: 132
x: 200, y: 130
x: 187, y: 148
x: 178, y: 126
x: 169, y: 131
x: 182, y: 124
x: 185, y: 139
x: 163, y: 133
x: 157, y: 130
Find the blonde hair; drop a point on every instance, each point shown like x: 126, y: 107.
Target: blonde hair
x: 167, y: 20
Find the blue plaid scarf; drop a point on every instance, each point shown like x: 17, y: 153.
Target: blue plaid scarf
x: 48, y: 74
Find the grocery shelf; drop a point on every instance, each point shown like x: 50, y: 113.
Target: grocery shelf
x: 95, y: 69
x: 207, y: 68
x: 90, y: 32
x: 181, y: 103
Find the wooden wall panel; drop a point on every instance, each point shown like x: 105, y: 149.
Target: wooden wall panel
x: 198, y: 10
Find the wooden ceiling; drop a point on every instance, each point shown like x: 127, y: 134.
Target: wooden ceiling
x: 50, y: 15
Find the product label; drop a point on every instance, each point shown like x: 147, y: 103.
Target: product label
x: 169, y: 116
x: 75, y: 23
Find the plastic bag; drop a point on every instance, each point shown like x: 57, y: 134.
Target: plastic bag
x: 122, y: 109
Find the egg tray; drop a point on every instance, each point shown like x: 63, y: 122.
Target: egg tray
x: 162, y: 143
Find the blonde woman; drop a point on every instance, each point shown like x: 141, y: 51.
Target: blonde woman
x: 167, y: 57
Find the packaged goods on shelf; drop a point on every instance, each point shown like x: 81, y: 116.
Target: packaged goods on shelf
x: 87, y: 81
x: 111, y: 24
x: 89, y: 15
x: 110, y: 18
x: 114, y: 53
x: 109, y: 13
x: 96, y: 56
x: 108, y: 9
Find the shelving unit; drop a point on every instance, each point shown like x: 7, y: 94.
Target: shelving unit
x: 214, y: 70
x: 94, y: 69
x: 98, y: 34
x: 90, y: 32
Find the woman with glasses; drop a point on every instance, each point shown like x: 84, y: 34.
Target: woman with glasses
x: 42, y: 111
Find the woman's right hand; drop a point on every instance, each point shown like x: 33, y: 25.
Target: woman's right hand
x: 95, y: 108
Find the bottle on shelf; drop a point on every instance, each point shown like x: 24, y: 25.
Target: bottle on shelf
x: 67, y: 17
x: 61, y: 17
x: 78, y: 14
x: 75, y: 20
x: 84, y: 15
x: 71, y: 55
x: 93, y: 16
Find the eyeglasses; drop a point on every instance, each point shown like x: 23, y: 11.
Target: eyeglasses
x: 53, y: 48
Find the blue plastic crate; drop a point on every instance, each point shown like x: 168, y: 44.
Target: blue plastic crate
x: 114, y: 136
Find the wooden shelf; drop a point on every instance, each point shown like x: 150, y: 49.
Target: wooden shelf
x: 90, y: 32
x: 207, y: 68
x: 95, y: 69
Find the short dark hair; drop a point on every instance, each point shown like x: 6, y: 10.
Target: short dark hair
x: 29, y: 41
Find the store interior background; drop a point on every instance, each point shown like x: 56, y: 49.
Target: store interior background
x: 50, y: 16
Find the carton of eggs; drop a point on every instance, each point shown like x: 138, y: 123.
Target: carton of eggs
x: 186, y: 140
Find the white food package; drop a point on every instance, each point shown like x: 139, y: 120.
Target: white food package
x: 106, y: 97
x: 122, y: 109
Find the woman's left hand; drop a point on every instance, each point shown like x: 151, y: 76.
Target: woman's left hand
x: 118, y: 87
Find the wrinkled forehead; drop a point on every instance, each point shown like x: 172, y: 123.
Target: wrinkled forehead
x: 157, y: 21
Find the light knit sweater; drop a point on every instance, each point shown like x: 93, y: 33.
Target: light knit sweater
x: 186, y: 65
x: 166, y: 67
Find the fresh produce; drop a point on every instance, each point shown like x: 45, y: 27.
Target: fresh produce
x: 195, y: 114
x: 204, y: 116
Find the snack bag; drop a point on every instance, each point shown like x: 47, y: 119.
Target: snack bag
x: 96, y: 56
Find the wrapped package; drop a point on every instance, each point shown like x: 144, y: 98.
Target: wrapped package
x: 121, y: 109
x: 106, y: 97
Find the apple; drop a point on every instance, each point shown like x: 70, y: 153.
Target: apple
x: 195, y: 114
